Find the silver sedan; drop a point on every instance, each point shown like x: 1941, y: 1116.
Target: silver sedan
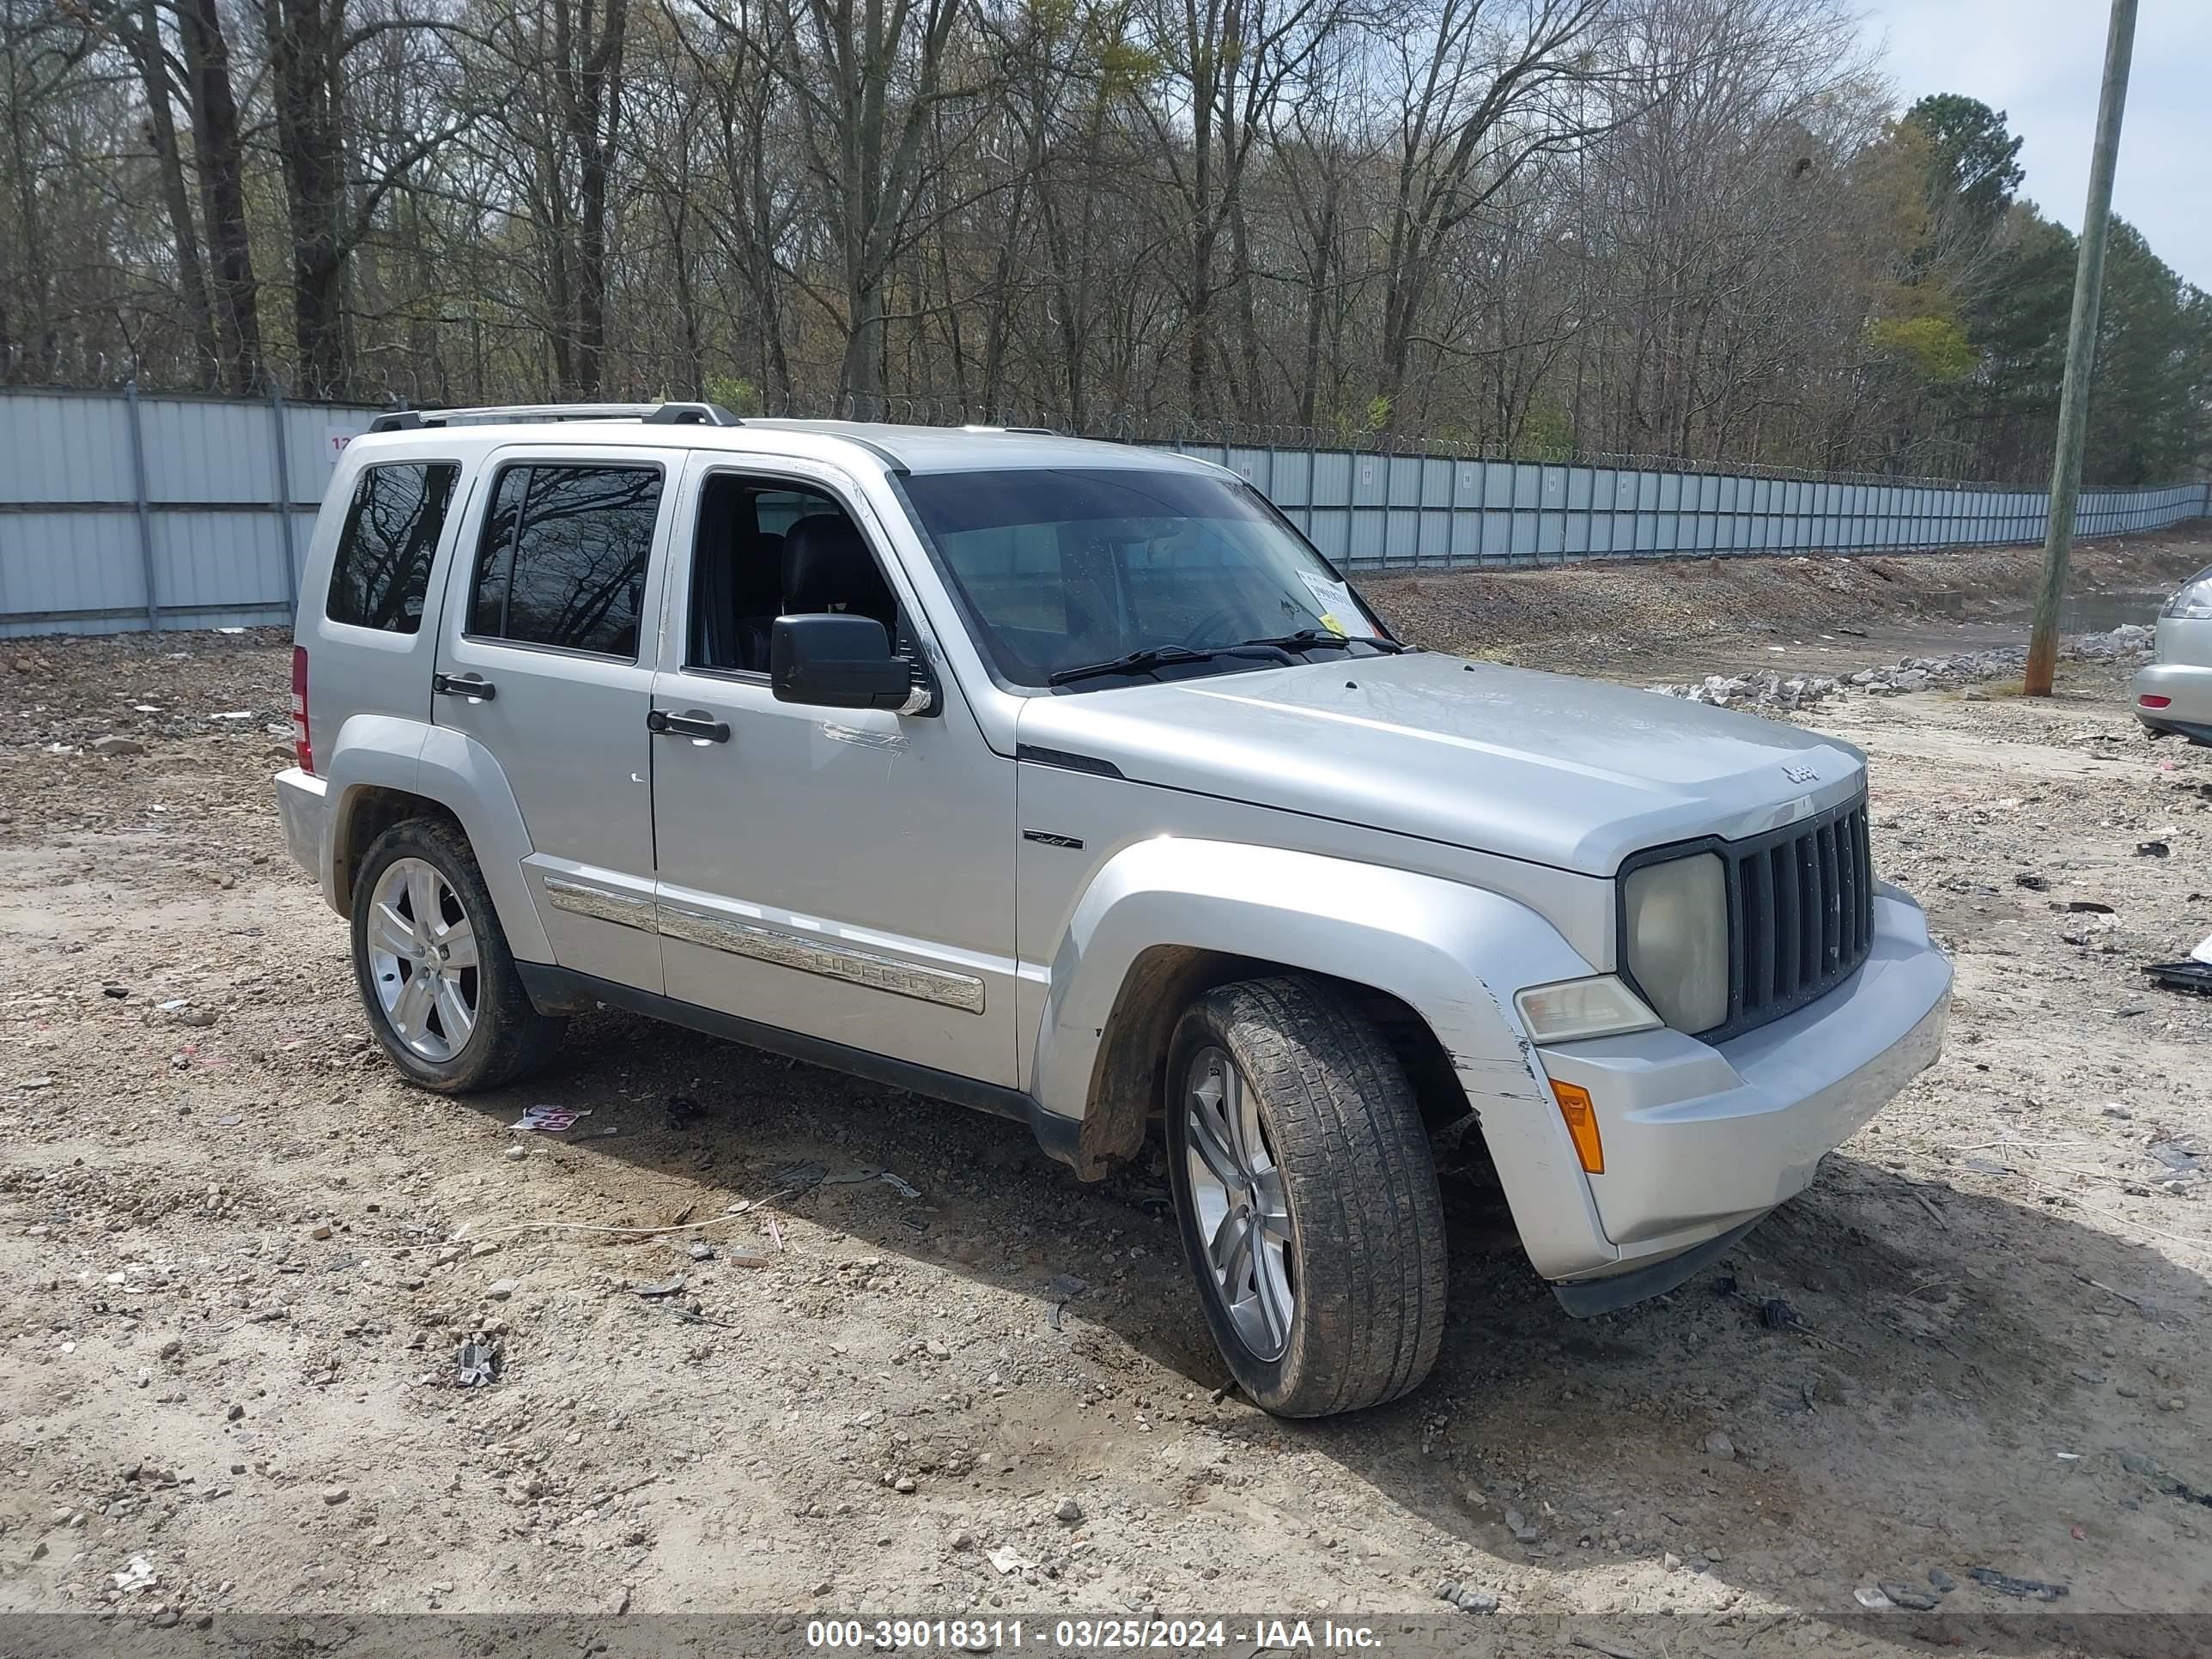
x: 2173, y: 695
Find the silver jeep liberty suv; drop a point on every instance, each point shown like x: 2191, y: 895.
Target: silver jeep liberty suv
x: 1067, y: 781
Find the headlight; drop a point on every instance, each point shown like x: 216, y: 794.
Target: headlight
x: 1577, y: 1008
x: 2194, y: 602
x: 1676, y: 940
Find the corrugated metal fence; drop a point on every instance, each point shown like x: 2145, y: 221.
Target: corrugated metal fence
x: 1370, y: 510
x: 121, y: 512
x: 127, y: 511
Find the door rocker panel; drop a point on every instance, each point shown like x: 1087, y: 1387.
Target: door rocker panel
x: 563, y: 988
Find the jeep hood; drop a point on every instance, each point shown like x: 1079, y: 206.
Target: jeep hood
x: 1567, y: 772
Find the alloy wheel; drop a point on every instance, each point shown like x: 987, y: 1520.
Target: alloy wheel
x: 1242, y: 1210
x: 422, y: 958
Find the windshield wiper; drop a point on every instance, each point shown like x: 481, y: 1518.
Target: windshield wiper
x: 1161, y: 656
x: 1307, y: 639
x: 1276, y: 649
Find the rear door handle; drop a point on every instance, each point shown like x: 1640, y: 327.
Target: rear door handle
x: 446, y: 685
x: 665, y: 725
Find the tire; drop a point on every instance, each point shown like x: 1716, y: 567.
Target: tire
x: 1361, y: 1228
x: 506, y: 1038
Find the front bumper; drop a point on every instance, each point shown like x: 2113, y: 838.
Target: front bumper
x: 1701, y: 1140
x: 302, y: 806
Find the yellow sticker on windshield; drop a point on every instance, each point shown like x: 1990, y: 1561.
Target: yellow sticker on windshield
x: 1333, y: 601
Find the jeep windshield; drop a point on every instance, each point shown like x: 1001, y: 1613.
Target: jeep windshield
x: 1079, y: 577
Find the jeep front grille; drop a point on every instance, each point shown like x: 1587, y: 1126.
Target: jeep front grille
x: 1800, y: 914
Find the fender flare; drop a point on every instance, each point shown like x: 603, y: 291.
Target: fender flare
x: 385, y: 751
x: 1453, y: 953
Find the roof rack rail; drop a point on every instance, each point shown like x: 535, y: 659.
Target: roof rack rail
x: 692, y: 414
x: 685, y: 414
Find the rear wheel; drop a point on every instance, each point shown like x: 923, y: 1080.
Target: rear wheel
x: 1307, y: 1197
x: 437, y: 980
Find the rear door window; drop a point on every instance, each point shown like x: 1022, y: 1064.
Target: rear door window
x: 564, y: 557
x: 382, y: 569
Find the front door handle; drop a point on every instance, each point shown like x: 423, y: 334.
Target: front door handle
x: 662, y: 724
x: 446, y: 686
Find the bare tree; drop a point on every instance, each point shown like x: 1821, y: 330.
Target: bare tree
x: 1229, y: 65
x: 219, y: 150
x: 138, y: 26
x: 1687, y: 227
x: 865, y: 79
x: 1491, y: 86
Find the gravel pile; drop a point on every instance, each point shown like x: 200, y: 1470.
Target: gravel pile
x: 1767, y: 693
x: 1591, y: 615
x: 1771, y: 693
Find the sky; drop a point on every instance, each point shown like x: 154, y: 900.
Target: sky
x: 2041, y: 61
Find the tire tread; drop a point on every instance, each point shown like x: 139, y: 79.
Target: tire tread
x: 1365, y: 1202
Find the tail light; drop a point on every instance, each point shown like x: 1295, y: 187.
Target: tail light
x: 302, y: 749
x: 2151, y: 700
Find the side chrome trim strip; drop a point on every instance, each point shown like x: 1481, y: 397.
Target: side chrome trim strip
x: 601, y: 905
x: 813, y: 956
x: 744, y: 939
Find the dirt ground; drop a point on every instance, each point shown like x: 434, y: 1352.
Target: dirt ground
x: 238, y: 1257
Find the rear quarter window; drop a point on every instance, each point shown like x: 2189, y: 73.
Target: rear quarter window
x: 382, y: 570
x: 563, y: 561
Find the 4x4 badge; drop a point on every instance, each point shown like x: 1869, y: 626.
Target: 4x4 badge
x: 1799, y: 772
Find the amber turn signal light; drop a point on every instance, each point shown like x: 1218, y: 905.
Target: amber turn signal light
x: 1582, y: 1125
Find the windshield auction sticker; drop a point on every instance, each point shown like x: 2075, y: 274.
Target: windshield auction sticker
x: 1340, y: 611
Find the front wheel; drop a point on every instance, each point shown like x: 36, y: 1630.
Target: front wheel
x: 1307, y: 1197
x: 437, y: 980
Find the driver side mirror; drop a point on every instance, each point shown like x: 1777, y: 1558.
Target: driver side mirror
x: 835, y: 661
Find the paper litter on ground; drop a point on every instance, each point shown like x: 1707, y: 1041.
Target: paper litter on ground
x: 550, y: 1120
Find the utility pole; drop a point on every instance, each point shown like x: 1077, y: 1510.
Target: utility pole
x: 2081, y: 352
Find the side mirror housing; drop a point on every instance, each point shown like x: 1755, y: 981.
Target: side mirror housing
x: 834, y: 661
